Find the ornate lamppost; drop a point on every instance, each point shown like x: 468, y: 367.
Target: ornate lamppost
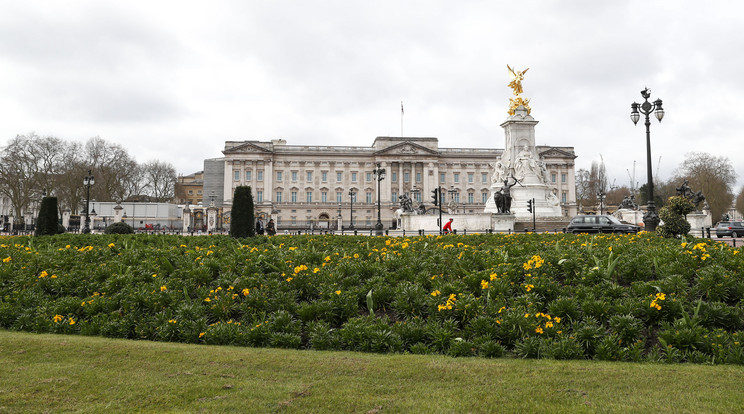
x: 379, y: 175
x: 651, y: 218
x: 88, y: 181
x: 351, y: 210
x: 601, y: 196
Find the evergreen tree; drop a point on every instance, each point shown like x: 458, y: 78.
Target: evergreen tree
x: 47, y: 222
x: 241, y: 221
x: 674, y: 217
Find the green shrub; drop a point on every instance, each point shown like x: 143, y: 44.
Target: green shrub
x: 241, y: 215
x: 119, y: 228
x: 673, y: 215
x: 47, y: 223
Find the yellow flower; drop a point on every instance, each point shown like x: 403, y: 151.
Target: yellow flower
x: 111, y: 245
x: 72, y: 321
x: 338, y: 292
x: 539, y: 330
x: 172, y: 321
x: 43, y: 274
x: 246, y: 292
x: 163, y: 288
x: 6, y: 260
x: 548, y: 324
x: 201, y: 334
x: 435, y: 293
x: 494, y: 276
x: 356, y: 256
x: 316, y: 270
x: 154, y: 275
x: 289, y: 279
x: 207, y: 300
x: 58, y: 318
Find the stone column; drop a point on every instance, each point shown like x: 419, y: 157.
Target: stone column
x: 186, y: 217
x: 118, y: 213
x: 66, y: 217
x: 211, y: 219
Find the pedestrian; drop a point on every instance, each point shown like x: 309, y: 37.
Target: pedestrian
x: 259, y: 226
x: 270, y: 228
x: 447, y: 227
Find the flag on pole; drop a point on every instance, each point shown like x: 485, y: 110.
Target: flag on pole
x: 401, y: 107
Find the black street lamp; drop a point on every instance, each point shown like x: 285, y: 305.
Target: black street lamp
x: 351, y: 210
x: 651, y: 218
x: 379, y: 175
x: 88, y: 181
x: 601, y: 196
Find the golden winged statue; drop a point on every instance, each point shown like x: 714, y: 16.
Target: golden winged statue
x: 516, y: 85
x: 517, y: 77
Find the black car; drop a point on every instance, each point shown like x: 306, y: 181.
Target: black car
x: 730, y: 229
x: 599, y: 224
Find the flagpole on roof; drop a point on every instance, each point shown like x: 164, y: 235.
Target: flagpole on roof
x: 401, y: 119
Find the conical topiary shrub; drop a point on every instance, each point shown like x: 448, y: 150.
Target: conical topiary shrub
x: 47, y: 222
x: 241, y: 221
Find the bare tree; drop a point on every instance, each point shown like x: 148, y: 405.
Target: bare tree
x: 582, y: 188
x: 714, y: 176
x: 161, y: 178
x: 114, y: 170
x: 17, y: 174
x: 740, y: 202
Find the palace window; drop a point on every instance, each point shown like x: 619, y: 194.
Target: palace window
x: 248, y: 175
x: 294, y: 196
x: 324, y: 196
x: 278, y: 196
x: 309, y: 176
x: 294, y: 176
x: 470, y: 178
x: 259, y: 196
x: 456, y: 177
x: 259, y: 175
x: 278, y: 175
x: 309, y: 195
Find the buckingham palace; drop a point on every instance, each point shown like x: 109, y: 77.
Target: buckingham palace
x: 322, y: 187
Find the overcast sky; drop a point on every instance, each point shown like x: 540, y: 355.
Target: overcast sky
x: 173, y: 80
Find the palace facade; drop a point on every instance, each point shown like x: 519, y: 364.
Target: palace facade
x: 321, y: 187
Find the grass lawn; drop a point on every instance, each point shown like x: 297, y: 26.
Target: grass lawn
x: 56, y: 373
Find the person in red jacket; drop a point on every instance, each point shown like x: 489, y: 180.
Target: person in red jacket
x: 447, y: 227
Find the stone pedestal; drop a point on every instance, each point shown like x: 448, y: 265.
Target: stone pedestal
x: 699, y: 220
x: 521, y: 168
x: 629, y: 216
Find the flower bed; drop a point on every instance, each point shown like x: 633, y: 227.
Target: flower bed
x: 633, y: 298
